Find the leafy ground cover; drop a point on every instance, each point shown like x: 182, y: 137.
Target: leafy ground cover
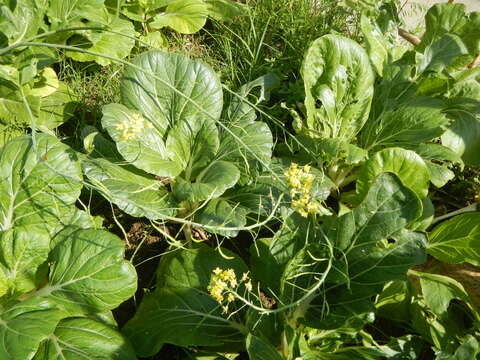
x: 197, y: 179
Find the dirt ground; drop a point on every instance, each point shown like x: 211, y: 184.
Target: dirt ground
x: 414, y: 10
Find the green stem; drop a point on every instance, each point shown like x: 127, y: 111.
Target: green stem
x: 466, y: 209
x: 285, y: 348
x: 118, y: 8
x: 187, y: 232
x: 332, y: 172
x: 348, y: 179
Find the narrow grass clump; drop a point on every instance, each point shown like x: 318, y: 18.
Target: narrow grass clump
x: 272, y: 36
x: 93, y: 86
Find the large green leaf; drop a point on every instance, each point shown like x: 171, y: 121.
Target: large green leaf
x: 184, y: 16
x: 181, y: 311
x: 17, y: 107
x: 222, y: 217
x: 396, y: 88
x: 22, y: 251
x: 438, y: 291
x: 168, y: 88
x: 463, y: 134
x: 135, y: 194
x: 258, y: 198
x: 65, y: 11
x: 88, y: 272
x: 440, y: 54
x: 210, y: 183
x: 258, y: 349
x: 440, y: 321
x: 146, y: 150
x: 24, y: 325
x: 270, y: 256
x: 407, y: 347
x: 387, y: 208
x: 192, y: 143
x: 470, y: 33
x: 56, y: 108
x: 370, y: 247
x: 224, y: 10
x: 116, y: 39
x: 84, y: 338
x: 40, y: 100
x: 22, y: 22
x: 339, y: 87
x: 373, y: 248
x: 181, y: 98
x: 376, y: 43
x: 242, y: 140
x: 457, y: 240
x: 406, y: 164
x: 113, y: 36
x: 444, y: 19
x: 39, y: 182
x: 305, y: 272
x: 468, y: 350
x: 249, y: 146
x: 417, y: 120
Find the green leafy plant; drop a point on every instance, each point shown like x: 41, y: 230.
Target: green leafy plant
x: 184, y: 151
x: 30, y: 93
x: 406, y: 121
x: 86, y: 25
x: 59, y: 275
x: 434, y: 302
x: 183, y: 16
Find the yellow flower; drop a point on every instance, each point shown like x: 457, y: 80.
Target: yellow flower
x: 220, y: 282
x: 133, y: 126
x: 249, y: 286
x: 301, y: 183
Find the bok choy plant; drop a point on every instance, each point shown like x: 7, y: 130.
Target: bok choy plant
x: 59, y: 274
x: 413, y: 113
x: 187, y: 158
x: 31, y: 31
x: 183, y: 16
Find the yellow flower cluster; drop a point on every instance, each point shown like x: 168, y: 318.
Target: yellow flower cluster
x: 301, y: 182
x: 224, y: 283
x: 130, y: 129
